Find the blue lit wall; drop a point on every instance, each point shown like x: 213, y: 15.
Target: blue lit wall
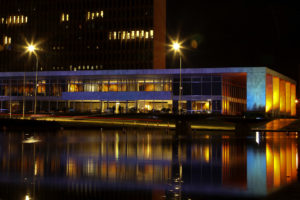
x: 256, y: 90
x: 256, y: 171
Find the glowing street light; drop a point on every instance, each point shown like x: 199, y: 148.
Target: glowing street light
x: 31, y: 48
x: 176, y: 47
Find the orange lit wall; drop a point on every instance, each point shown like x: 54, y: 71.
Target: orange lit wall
x: 280, y: 162
x: 234, y: 166
x: 288, y: 97
x: 269, y: 93
x: 282, y: 94
x: 293, y: 98
x: 275, y: 94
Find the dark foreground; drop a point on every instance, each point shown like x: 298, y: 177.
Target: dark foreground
x: 145, y: 164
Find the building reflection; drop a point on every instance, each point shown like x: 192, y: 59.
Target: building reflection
x: 150, y: 160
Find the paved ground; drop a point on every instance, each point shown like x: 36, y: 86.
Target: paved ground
x: 290, y: 192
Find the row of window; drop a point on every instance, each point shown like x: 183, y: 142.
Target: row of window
x: 54, y: 88
x: 65, y: 17
x: 16, y: 19
x: 131, y: 35
x: 6, y: 40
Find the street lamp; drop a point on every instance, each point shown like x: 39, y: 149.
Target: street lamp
x: 31, y: 48
x: 176, y: 47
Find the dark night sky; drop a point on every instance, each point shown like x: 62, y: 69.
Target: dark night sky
x: 237, y: 33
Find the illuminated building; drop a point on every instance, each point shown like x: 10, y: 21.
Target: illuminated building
x: 229, y: 91
x: 83, y: 34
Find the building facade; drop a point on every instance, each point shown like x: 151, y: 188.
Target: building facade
x: 75, y: 35
x: 228, y: 91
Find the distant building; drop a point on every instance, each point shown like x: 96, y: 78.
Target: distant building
x: 228, y: 91
x: 75, y: 35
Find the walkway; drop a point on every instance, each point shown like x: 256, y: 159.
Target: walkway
x: 280, y: 125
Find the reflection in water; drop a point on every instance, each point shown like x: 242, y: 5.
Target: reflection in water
x: 158, y: 164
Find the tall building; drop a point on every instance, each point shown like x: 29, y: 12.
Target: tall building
x: 75, y: 35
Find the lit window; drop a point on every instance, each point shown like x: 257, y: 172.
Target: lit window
x: 115, y: 35
x: 146, y: 34
x: 16, y: 19
x: 88, y: 16
x: 26, y: 19
x: 102, y: 13
x: 109, y: 36
x: 93, y: 16
x: 128, y: 35
x: 137, y: 34
x: 142, y: 34
x: 97, y: 14
x: 124, y: 35
x: 62, y: 17
x: 132, y: 35
x: 5, y: 40
x: 67, y: 17
x: 151, y: 34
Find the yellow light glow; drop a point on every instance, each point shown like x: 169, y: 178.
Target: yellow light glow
x: 293, y: 99
x: 27, y: 197
x: 117, y: 146
x: 276, y: 94
x: 282, y: 96
x: 269, y: 93
x: 288, y: 97
x: 31, y: 48
x: 206, y: 153
x: 176, y: 46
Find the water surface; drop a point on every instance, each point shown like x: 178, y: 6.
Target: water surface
x: 144, y: 164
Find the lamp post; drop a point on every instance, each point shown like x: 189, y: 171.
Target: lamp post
x: 176, y: 47
x: 32, y: 49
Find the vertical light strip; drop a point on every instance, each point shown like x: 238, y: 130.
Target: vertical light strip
x: 288, y: 97
x: 269, y: 93
x: 276, y: 94
x: 293, y: 99
x: 282, y: 94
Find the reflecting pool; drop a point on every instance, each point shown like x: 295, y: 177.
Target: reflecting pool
x: 144, y: 164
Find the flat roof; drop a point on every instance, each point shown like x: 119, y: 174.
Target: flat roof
x: 147, y: 72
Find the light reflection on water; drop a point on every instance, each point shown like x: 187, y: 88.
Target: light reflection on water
x: 165, y: 166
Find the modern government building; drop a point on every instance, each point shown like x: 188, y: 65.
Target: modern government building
x: 229, y: 91
x: 108, y: 56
